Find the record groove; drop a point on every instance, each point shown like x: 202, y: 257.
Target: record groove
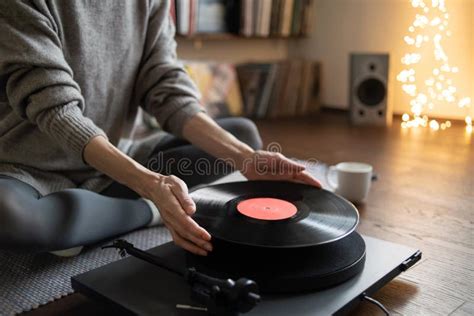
x: 321, y: 216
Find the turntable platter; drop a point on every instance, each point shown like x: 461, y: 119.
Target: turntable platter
x: 273, y: 214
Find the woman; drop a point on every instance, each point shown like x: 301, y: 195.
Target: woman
x: 72, y: 75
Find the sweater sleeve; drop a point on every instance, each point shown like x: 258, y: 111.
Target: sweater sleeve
x: 39, y: 82
x: 163, y: 88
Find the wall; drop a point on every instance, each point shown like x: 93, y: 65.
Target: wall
x: 344, y: 26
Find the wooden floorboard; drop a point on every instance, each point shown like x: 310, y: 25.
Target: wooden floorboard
x: 424, y: 198
x: 406, y: 298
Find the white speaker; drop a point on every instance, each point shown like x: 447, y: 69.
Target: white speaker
x: 369, y: 89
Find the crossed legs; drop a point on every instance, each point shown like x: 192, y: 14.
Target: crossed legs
x: 76, y: 217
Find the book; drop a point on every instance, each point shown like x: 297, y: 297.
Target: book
x: 275, y: 103
x: 193, y: 16
x: 251, y: 78
x: 306, y: 83
x: 233, y: 15
x: 257, y: 8
x: 275, y: 17
x: 306, y: 17
x: 247, y: 17
x: 211, y: 17
x: 298, y: 108
x: 296, y: 17
x: 173, y: 11
x: 264, y: 18
x: 219, y: 87
x: 294, y: 81
x: 264, y: 70
x: 315, y: 91
x: 281, y: 93
x: 182, y: 16
x: 267, y: 90
x: 286, y: 16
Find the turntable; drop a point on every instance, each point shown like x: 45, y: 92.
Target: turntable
x: 292, y: 244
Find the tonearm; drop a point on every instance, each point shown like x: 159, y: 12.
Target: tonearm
x: 220, y: 296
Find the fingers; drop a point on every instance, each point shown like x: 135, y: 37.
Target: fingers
x: 301, y: 177
x: 180, y: 191
x: 306, y: 178
x: 294, y: 166
x: 178, y: 217
x: 175, y: 205
x: 290, y: 165
x: 183, y: 243
x: 188, y: 230
x: 185, y: 226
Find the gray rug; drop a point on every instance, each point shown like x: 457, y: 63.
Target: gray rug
x: 28, y: 281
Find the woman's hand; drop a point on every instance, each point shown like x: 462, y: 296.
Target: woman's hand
x: 203, y: 132
x: 170, y: 195
x: 266, y: 165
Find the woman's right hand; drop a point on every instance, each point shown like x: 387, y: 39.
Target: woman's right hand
x: 170, y: 195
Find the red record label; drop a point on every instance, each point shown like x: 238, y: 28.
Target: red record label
x: 269, y: 209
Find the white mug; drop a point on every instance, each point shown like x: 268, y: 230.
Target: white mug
x: 353, y: 180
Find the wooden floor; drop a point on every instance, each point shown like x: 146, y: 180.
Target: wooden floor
x: 424, y: 198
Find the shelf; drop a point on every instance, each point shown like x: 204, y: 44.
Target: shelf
x: 230, y: 36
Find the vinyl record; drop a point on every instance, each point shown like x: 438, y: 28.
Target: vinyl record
x: 273, y: 214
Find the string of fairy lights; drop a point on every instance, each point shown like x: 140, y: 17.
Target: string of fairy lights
x: 430, y: 27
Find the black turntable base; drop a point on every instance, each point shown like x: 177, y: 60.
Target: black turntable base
x: 287, y: 270
x: 133, y: 287
x: 272, y: 238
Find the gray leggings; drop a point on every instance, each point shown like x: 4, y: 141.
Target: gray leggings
x: 75, y: 217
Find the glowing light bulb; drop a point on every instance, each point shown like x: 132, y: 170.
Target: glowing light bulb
x: 434, y: 125
x: 464, y: 102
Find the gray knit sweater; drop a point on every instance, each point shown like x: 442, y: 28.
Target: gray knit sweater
x: 71, y: 70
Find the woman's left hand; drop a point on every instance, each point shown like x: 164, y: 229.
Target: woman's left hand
x: 266, y: 165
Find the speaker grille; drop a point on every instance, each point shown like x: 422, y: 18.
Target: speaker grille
x: 371, y: 92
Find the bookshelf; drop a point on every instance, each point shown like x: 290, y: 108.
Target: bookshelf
x: 233, y: 19
x: 233, y: 33
x: 230, y: 36
x: 250, y: 53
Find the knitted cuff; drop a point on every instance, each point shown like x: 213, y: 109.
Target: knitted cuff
x: 178, y: 113
x: 69, y: 126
